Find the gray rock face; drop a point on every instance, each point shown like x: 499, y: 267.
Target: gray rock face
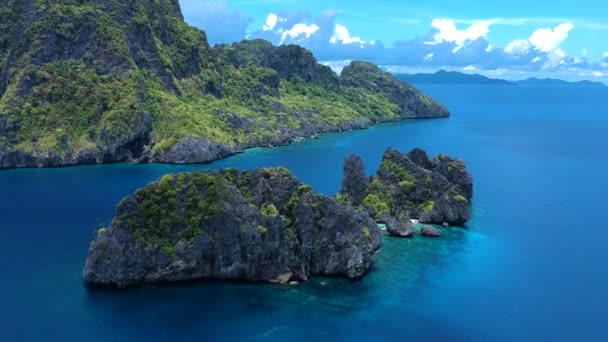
x: 196, y: 150
x: 262, y: 225
x: 354, y: 181
x: 433, y: 191
x: 150, y: 38
x: 399, y: 226
x: 428, y: 231
x: 265, y: 225
x: 111, y: 149
x: 412, y: 103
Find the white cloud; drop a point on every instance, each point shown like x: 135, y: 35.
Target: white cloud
x: 597, y: 74
x: 555, y: 58
x: 271, y: 22
x: 341, y: 34
x: 547, y: 39
x: 543, y: 40
x: 448, y: 32
x: 518, y: 47
x: 299, y: 29
x: 606, y: 54
x: 449, y: 44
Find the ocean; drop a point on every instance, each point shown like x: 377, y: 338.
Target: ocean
x: 530, y: 266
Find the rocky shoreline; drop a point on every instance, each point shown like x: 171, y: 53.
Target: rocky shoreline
x: 265, y: 225
x: 190, y: 150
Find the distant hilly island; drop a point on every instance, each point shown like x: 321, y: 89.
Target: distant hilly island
x: 454, y: 77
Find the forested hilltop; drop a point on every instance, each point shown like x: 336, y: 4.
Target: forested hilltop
x: 106, y: 81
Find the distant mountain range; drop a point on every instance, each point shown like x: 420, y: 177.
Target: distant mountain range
x: 454, y: 77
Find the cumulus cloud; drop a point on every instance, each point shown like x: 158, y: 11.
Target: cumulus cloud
x: 543, y: 39
x: 271, y: 22
x: 446, y: 31
x: 298, y: 31
x: 546, y: 39
x: 342, y: 35
x: 450, y: 43
x: 446, y: 44
x: 328, y: 39
x: 221, y: 24
x: 518, y: 47
x: 545, y: 44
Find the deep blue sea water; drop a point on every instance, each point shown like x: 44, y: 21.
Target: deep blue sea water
x: 532, y: 265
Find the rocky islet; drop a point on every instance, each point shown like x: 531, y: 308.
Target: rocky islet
x: 265, y: 225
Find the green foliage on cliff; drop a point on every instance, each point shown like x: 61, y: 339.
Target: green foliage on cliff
x: 366, y: 232
x: 378, y: 198
x: 427, y: 206
x: 269, y: 211
x: 182, y: 207
x: 460, y: 198
x: 176, y: 205
x: 84, y: 75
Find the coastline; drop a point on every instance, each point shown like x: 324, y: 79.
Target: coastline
x: 46, y: 162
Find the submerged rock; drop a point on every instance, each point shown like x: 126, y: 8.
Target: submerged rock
x: 429, y: 231
x: 261, y: 225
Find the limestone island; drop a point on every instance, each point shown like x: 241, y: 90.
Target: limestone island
x: 104, y: 81
x: 267, y: 226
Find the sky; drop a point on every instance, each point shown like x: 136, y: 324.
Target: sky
x: 511, y: 39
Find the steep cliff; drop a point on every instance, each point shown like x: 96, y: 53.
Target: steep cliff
x: 413, y: 186
x: 262, y: 225
x: 104, y: 81
x: 265, y: 225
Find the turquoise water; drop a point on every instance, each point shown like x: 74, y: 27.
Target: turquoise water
x: 530, y: 266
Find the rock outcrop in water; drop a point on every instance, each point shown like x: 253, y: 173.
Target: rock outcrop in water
x: 262, y: 225
x: 354, y: 181
x: 265, y: 225
x: 101, y: 81
x: 433, y: 191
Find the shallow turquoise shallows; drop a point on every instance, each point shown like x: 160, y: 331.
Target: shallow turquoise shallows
x: 530, y: 267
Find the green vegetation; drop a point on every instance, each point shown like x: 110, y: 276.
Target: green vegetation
x: 101, y: 231
x: 366, y: 232
x: 379, y: 204
x: 342, y: 197
x: 427, y: 206
x: 170, y: 251
x: 97, y: 94
x: 180, y: 207
x: 378, y: 198
x: 164, y: 212
x: 402, y: 175
x: 291, y: 233
x: 261, y: 229
x: 269, y: 211
x: 304, y: 189
x: 460, y: 198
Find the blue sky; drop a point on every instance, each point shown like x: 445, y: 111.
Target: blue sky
x: 509, y: 39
